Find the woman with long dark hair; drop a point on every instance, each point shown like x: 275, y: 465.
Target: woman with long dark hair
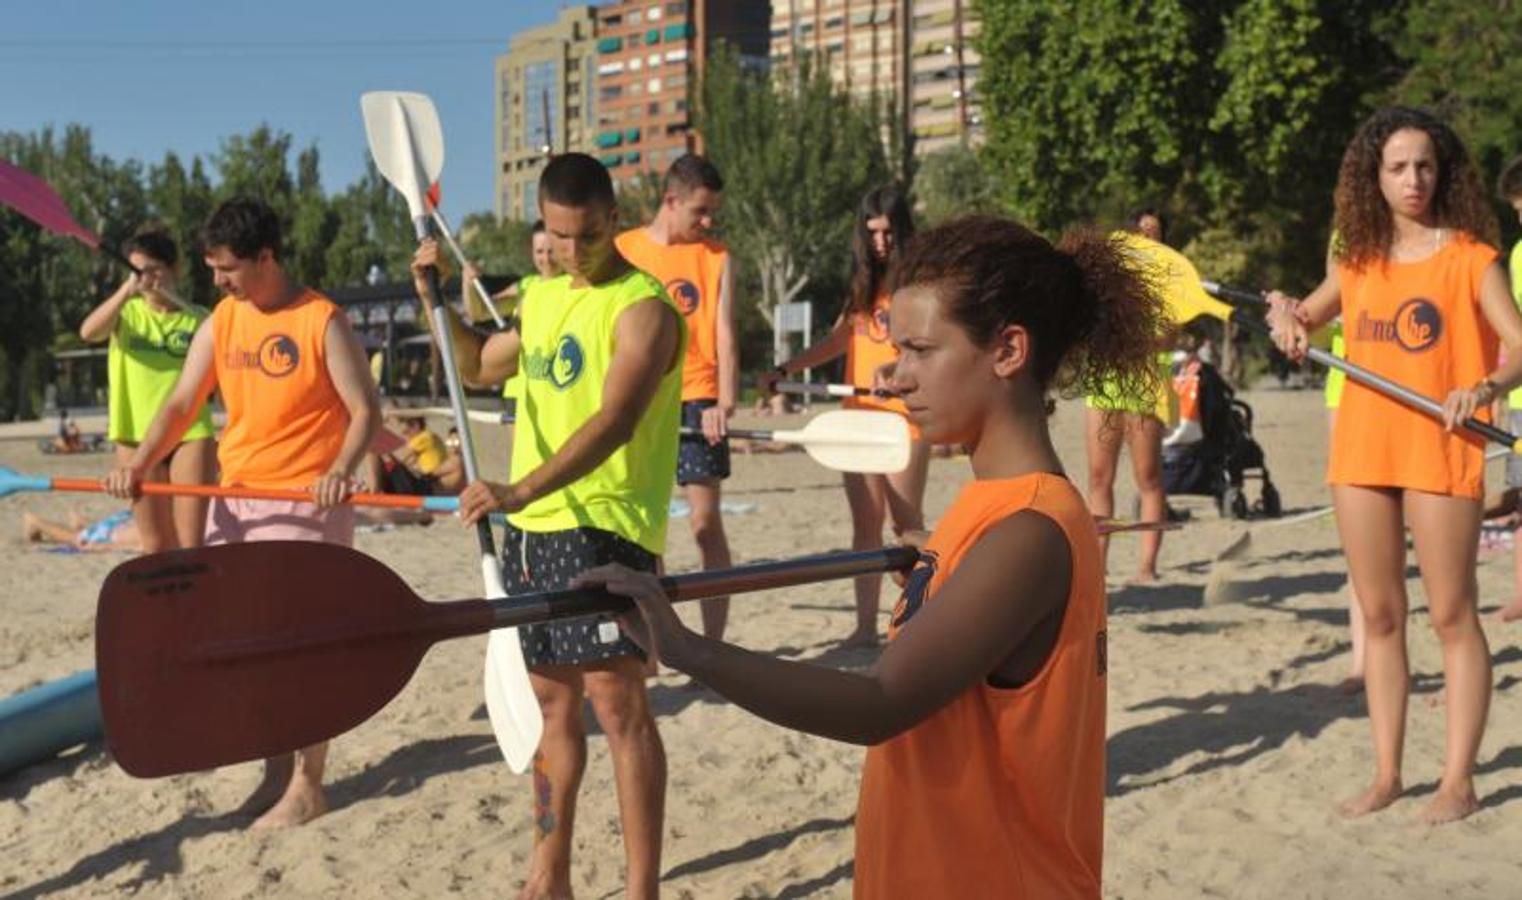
x: 884, y: 227
x: 1423, y: 301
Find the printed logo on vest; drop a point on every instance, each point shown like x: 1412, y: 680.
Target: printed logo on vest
x: 916, y: 587
x: 874, y: 327
x: 562, y: 369
x: 278, y: 356
x: 1417, y: 325
x: 177, y: 343
x: 686, y: 295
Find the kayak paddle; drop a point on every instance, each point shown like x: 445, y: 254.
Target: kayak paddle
x: 12, y: 482
x: 218, y: 655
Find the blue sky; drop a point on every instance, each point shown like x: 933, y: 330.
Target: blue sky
x: 158, y: 75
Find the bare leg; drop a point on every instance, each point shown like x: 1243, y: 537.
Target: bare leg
x: 905, y: 494
x: 1144, y: 438
x: 619, y: 700
x: 272, y: 784
x: 558, y: 767
x: 866, y: 496
x: 1369, y: 521
x: 1103, y: 438
x: 303, y: 799
x: 713, y: 546
x: 1445, y: 531
x: 193, y: 462
x: 155, y: 521
x: 37, y: 530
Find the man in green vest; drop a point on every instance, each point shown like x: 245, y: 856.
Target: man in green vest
x: 593, y: 466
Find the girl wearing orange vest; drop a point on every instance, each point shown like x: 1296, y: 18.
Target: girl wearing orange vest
x: 986, y: 712
x: 1423, y: 302
x: 883, y: 228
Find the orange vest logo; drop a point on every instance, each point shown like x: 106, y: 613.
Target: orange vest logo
x: 686, y: 295
x: 278, y: 356
x: 874, y: 326
x: 1417, y: 325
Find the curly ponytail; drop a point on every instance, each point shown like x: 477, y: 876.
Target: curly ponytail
x: 1093, y: 319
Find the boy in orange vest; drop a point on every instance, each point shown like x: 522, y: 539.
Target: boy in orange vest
x: 697, y: 274
x: 302, y: 410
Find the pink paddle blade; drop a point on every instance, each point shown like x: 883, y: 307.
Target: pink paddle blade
x: 33, y: 198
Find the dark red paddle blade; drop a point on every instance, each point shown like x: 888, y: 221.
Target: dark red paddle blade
x: 35, y: 199
x: 226, y: 654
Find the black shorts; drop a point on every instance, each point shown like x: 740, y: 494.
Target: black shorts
x: 547, y: 561
x: 696, y: 459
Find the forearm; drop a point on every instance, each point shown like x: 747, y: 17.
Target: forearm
x: 363, y: 423
x: 467, y: 344
x: 842, y: 706
x: 819, y: 354
x: 101, y: 321
x: 585, y: 450
x: 729, y: 371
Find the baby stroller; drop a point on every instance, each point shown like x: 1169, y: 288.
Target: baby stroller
x: 1219, y: 464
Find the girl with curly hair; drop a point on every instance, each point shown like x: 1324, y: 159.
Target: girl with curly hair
x: 985, y: 712
x: 1423, y: 303
x: 884, y: 227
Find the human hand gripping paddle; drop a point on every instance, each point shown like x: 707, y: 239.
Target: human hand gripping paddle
x: 34, y: 198
x: 12, y: 482
x: 407, y: 143
x: 1368, y: 379
x: 217, y: 655
x: 846, y: 440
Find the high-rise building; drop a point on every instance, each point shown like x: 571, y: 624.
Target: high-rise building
x: 546, y: 89
x: 943, y: 104
x: 649, y: 56
x: 916, y: 54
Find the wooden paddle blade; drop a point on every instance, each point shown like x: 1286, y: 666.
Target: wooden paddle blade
x: 225, y: 654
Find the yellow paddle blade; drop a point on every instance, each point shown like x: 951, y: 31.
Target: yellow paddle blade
x: 1174, y: 278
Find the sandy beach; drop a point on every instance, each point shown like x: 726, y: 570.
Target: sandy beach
x: 1229, y: 741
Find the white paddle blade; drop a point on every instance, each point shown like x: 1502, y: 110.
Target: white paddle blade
x: 407, y: 143
x: 516, y: 719
x: 854, y: 440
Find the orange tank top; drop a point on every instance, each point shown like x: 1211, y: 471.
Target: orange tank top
x: 693, y: 275
x: 1000, y: 793
x: 869, y: 349
x: 1418, y: 324
x: 285, y: 420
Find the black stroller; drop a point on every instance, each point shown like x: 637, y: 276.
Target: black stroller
x: 1220, y: 463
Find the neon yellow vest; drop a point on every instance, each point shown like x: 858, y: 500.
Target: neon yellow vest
x: 567, y: 349
x: 513, y: 384
x: 143, y: 363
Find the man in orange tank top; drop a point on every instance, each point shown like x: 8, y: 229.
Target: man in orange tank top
x: 302, y: 410
x: 697, y: 274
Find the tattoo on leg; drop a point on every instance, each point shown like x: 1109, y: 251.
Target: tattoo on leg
x: 544, y: 820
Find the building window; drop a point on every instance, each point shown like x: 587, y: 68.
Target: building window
x: 636, y: 64
x: 655, y: 12
x: 654, y: 86
x: 676, y: 9
x: 541, y: 96
x: 636, y: 16
x: 610, y: 45
x: 531, y: 200
x: 612, y: 92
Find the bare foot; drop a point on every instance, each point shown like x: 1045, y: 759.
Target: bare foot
x: 1449, y: 806
x: 1512, y: 612
x: 543, y: 886
x: 1143, y: 578
x: 31, y: 530
x: 860, y: 638
x: 302, y: 802
x: 277, y: 775
x: 1353, y: 684
x: 1374, y: 799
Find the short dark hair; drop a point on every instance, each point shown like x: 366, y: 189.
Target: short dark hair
x: 154, y: 242
x: 690, y: 172
x: 537, y: 228
x: 243, y: 225
x: 1510, y: 183
x: 576, y: 179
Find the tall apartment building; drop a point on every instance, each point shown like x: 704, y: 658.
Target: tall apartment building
x: 943, y: 101
x: 545, y: 100
x: 649, y: 56
x: 916, y: 52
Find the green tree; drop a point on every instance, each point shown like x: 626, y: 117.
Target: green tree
x: 797, y: 154
x: 953, y: 182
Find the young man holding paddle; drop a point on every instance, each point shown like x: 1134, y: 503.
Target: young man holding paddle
x: 593, y: 465
x: 697, y: 274
x: 302, y: 410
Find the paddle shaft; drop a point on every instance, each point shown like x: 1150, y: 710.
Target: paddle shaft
x: 459, y: 255
x: 1363, y: 376
x: 461, y: 618
x: 750, y: 434
x: 159, y: 489
x: 827, y: 390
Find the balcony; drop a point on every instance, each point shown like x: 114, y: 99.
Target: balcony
x: 610, y: 45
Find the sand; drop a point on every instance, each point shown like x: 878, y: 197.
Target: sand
x: 1228, y: 742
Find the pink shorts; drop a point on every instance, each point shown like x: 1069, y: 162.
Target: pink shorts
x: 235, y: 521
